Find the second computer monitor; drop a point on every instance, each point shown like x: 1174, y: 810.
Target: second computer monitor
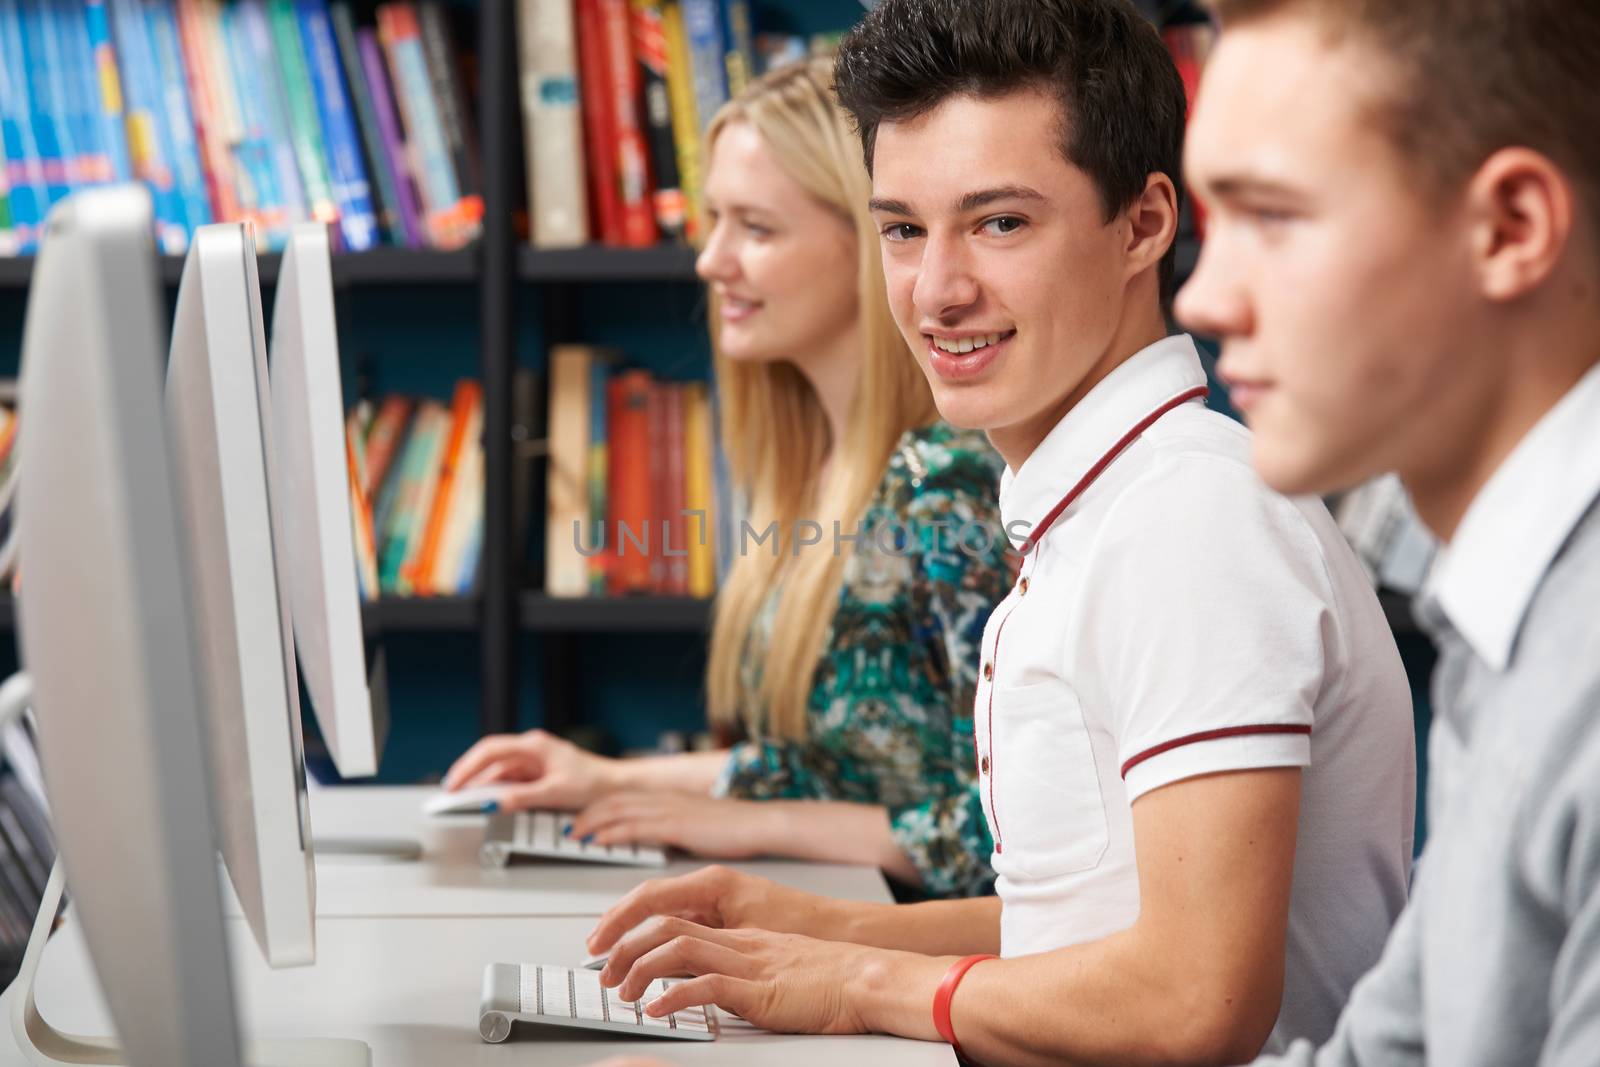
x: 308, y: 406
x: 218, y: 404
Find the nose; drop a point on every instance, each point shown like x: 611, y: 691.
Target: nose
x: 945, y: 282
x: 717, y: 261
x: 1213, y: 301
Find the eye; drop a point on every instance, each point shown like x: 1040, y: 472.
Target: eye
x: 901, y: 231
x: 1003, y: 225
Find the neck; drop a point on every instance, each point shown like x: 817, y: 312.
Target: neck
x: 1142, y: 325
x: 834, y: 371
x: 1540, y: 367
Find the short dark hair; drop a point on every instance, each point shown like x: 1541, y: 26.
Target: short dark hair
x: 1474, y: 76
x: 1123, y: 106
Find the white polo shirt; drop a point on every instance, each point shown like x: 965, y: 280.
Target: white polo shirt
x: 1174, y: 617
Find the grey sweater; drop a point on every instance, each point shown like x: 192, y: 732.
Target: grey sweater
x: 1496, y: 960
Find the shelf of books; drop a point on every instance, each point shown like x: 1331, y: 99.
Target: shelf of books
x: 271, y: 112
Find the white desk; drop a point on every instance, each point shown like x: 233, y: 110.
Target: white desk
x: 401, y: 950
x: 409, y: 988
x: 449, y: 880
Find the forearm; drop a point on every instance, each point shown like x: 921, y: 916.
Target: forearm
x: 691, y: 773
x: 827, y: 831
x: 1120, y: 1000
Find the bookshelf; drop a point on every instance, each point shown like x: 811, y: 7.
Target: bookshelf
x: 527, y: 646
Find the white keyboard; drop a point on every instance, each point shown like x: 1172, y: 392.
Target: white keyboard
x: 566, y: 996
x: 544, y: 834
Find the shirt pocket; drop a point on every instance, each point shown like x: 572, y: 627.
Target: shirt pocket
x: 1047, y: 801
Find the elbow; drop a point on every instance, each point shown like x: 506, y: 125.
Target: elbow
x: 1217, y: 1027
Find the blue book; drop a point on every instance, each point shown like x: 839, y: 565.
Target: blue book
x: 255, y: 173
x: 43, y: 108
x: 149, y: 140
x: 358, y: 222
x: 162, y: 22
x: 258, y: 75
x: 738, y: 45
x: 702, y: 24
x: 66, y: 36
x: 24, y: 170
x: 106, y: 90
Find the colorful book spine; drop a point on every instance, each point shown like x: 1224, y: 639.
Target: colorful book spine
x: 675, y: 527
x: 407, y: 208
x: 262, y: 149
x: 361, y: 530
x: 419, y: 114
x: 599, y: 475
x: 402, y: 533
x: 631, y: 507
x: 149, y: 140
x: 29, y: 199
x: 305, y: 128
x: 44, y: 115
x: 455, y: 116
x: 187, y: 172
x: 106, y: 102
x: 552, y: 123
x: 697, y: 491
x: 685, y: 113
x: 566, y: 571
x: 739, y: 50
x: 650, y: 48
x: 380, y: 184
x: 702, y: 23
x: 358, y: 223
x: 627, y: 126
x: 468, y: 395
x: 464, y: 509
x: 206, y: 50
x: 72, y: 43
x: 605, y: 192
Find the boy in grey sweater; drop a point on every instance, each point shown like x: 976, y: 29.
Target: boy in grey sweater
x: 1403, y: 264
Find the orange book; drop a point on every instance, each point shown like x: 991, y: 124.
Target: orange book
x: 631, y: 500
x: 383, y: 441
x: 366, y: 541
x: 468, y: 395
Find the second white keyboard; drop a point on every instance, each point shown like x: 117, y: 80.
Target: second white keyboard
x: 546, y: 835
x: 566, y: 996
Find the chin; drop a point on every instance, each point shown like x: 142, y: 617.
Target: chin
x: 964, y: 408
x: 1294, y: 472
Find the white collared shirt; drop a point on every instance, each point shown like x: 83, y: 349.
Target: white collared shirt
x: 1486, y: 577
x: 1174, y: 617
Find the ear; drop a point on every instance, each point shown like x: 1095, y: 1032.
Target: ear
x: 1152, y: 224
x: 1522, y: 208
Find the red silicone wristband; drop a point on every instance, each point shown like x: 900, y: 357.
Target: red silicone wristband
x: 946, y: 993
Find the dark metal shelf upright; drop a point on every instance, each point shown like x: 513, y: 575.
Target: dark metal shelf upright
x: 497, y: 109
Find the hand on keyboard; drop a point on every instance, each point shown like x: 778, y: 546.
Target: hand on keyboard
x: 537, y: 769
x: 719, y: 897
x: 702, y: 826
x: 780, y: 982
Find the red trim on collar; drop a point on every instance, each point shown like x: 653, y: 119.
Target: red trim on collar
x: 1199, y: 392
x: 1213, y: 735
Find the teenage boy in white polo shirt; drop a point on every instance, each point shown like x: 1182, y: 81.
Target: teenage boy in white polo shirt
x: 1404, y: 267
x: 1194, y: 733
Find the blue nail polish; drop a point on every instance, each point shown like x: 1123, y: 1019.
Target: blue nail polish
x: 566, y: 831
x: 491, y: 806
x: 587, y: 839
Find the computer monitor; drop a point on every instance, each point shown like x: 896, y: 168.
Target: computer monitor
x: 308, y: 409
x: 218, y: 404
x: 107, y: 636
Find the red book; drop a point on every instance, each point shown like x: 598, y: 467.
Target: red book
x: 629, y: 148
x: 660, y: 490
x: 631, y: 508
x: 683, y: 528
x: 605, y: 193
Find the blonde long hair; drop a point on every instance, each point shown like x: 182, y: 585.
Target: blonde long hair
x: 776, y: 434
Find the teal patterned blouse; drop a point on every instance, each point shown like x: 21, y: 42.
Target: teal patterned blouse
x: 890, y: 714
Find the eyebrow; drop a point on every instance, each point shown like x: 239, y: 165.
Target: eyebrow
x: 971, y: 202
x: 1237, y: 184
